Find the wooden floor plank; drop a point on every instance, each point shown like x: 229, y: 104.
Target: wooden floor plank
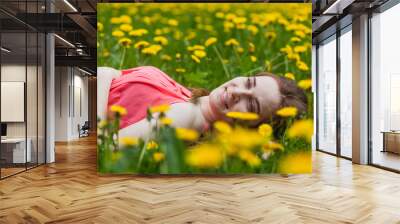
x: 71, y: 191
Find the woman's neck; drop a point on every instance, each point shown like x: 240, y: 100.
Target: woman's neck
x: 205, y: 111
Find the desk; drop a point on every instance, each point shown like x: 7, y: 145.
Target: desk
x: 16, y: 148
x: 391, y: 141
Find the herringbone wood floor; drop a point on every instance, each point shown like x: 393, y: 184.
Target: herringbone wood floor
x: 70, y: 191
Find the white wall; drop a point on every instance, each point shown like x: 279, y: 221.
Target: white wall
x: 67, y: 114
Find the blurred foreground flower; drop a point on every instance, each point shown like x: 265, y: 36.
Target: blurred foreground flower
x: 302, y: 128
x: 222, y: 127
x: 128, y: 141
x: 151, y: 145
x: 166, y: 121
x: 160, y: 108
x: 158, y: 156
x: 242, y: 115
x: 118, y: 109
x: 204, y: 156
x: 287, y: 112
x: 265, y: 130
x: 187, y: 134
x: 296, y: 163
x: 250, y: 158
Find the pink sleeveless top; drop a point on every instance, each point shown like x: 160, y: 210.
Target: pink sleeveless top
x: 142, y: 87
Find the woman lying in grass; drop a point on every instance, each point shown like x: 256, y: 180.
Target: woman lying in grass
x: 139, y: 88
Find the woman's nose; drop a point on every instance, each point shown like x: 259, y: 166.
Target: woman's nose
x: 237, y: 93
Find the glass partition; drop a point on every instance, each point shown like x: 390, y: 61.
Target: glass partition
x: 22, y: 88
x: 346, y: 92
x: 327, y: 95
x: 385, y: 89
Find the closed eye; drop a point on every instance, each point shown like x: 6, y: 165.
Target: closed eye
x: 248, y: 83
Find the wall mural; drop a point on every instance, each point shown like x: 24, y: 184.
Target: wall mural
x: 204, y: 88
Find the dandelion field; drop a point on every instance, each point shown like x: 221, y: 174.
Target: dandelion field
x: 203, y: 45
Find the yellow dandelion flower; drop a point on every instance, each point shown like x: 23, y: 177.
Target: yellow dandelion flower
x: 173, y: 22
x: 178, y: 56
x: 118, y: 109
x: 115, y: 20
x: 302, y: 128
x: 199, y: 53
x: 250, y: 158
x: 270, y: 35
x: 151, y: 145
x: 187, y: 134
x: 128, y: 141
x: 196, y: 47
x: 300, y: 49
x: 300, y: 33
x: 230, y: 16
x: 220, y: 15
x: 100, y: 26
x: 158, y: 156
x: 244, y: 138
x: 232, y: 42
x: 166, y: 121
x: 296, y: 163
x: 195, y: 58
x: 125, y: 42
x: 240, y: 50
x: 138, y: 32
x: 102, y: 124
x: 125, y: 19
x: 295, y: 39
x: 210, y: 41
x: 302, y: 66
x: 160, y: 39
x: 287, y: 112
x: 152, y: 49
x: 180, y: 70
x: 305, y: 84
x: 239, y: 20
x: 141, y: 44
x: 242, y: 115
x: 117, y: 33
x: 265, y: 130
x: 160, y: 108
x: 270, y: 146
x: 205, y: 156
x: 253, y: 29
x: 166, y: 57
x: 222, y: 127
x: 125, y: 27
x: 290, y: 75
x: 252, y: 48
x: 253, y: 58
x: 158, y: 32
x: 115, y: 156
x: 106, y: 53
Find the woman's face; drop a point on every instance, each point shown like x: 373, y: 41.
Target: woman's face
x: 256, y: 94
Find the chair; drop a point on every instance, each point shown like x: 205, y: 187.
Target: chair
x: 84, y: 130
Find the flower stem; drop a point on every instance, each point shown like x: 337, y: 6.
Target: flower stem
x: 222, y: 62
x: 123, y: 58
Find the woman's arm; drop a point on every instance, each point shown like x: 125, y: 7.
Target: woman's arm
x: 184, y: 115
x: 105, y: 75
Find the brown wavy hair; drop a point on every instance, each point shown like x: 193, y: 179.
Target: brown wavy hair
x: 291, y: 96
